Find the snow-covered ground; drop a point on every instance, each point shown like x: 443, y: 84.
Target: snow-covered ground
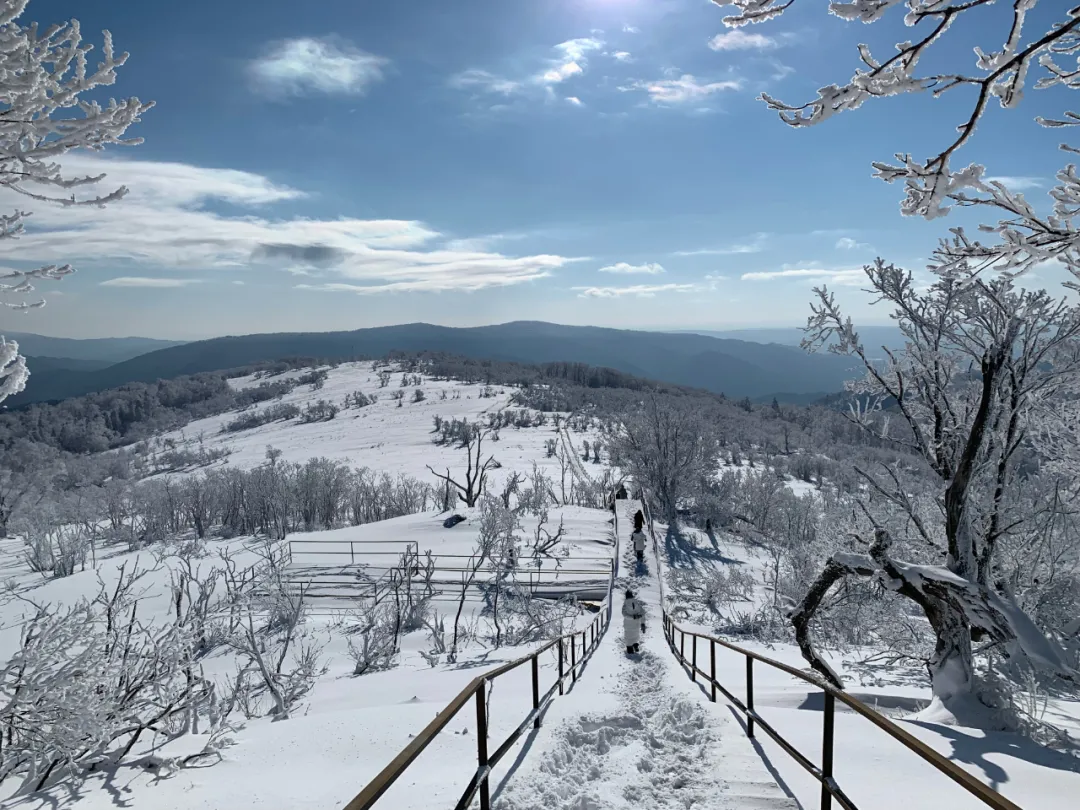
x: 348, y: 727
x: 382, y: 436
x: 869, y: 765
x: 635, y: 733
x: 631, y: 733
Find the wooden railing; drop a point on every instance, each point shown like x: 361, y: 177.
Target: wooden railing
x: 822, y: 772
x: 570, y: 664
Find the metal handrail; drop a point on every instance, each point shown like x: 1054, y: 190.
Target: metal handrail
x: 476, y: 689
x: 830, y: 789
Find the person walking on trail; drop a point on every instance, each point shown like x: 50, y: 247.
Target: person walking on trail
x: 633, y: 613
x: 638, y: 541
x: 639, y: 520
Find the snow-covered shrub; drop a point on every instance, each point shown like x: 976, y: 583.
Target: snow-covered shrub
x: 89, y: 680
x: 249, y: 420
x: 321, y: 411
x: 372, y: 641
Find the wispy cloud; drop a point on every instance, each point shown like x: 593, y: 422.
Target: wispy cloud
x: 682, y: 90
x: 484, y: 81
x: 623, y: 268
x: 577, y: 102
x: 740, y: 40
x: 310, y: 65
x: 167, y: 221
x: 142, y: 281
x: 1018, y: 183
x: 840, y: 276
x: 636, y: 290
x: 847, y: 243
x: 622, y: 56
x: 571, y: 60
x: 631, y: 29
x: 756, y: 245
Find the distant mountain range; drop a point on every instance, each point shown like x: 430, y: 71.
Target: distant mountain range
x: 104, y: 350
x: 737, y: 368
x: 874, y: 337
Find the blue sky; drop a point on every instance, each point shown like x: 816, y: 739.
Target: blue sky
x: 350, y: 164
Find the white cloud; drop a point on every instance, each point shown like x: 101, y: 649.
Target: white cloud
x: 486, y: 82
x: 141, y: 281
x: 572, y: 59
x: 847, y: 243
x: 840, y: 276
x: 308, y: 64
x: 637, y: 290
x: 682, y: 90
x: 575, y: 101
x: 651, y: 269
x: 561, y: 73
x: 1017, y: 183
x: 756, y: 245
x: 168, y: 221
x: 630, y: 29
x: 739, y: 40
x: 622, y: 56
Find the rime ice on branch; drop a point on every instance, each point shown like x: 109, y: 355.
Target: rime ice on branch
x: 42, y: 74
x: 1025, y: 237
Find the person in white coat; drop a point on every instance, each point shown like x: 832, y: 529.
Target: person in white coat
x: 633, y: 612
x: 638, y: 541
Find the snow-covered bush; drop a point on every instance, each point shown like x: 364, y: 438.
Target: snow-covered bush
x: 372, y: 637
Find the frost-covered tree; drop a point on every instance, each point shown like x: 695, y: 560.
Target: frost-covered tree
x: 662, y: 444
x: 1015, y: 56
x: 989, y: 377
x: 42, y: 117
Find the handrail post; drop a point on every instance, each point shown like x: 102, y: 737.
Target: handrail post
x: 693, y: 661
x: 536, y: 689
x: 573, y: 659
x: 481, y: 744
x: 682, y: 645
x: 712, y: 666
x: 749, y: 696
x: 352, y: 552
x: 827, y: 751
x: 561, y: 671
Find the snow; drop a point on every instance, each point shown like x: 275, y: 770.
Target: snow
x: 632, y: 732
x: 349, y: 727
x: 869, y: 764
x: 635, y: 733
x: 381, y: 436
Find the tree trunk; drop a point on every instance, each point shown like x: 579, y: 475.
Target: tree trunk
x: 952, y: 666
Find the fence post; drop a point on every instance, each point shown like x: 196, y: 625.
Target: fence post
x: 682, y: 645
x: 352, y: 552
x: 536, y: 689
x: 561, y: 667
x: 749, y: 696
x: 712, y: 666
x: 693, y: 661
x: 481, y: 744
x: 573, y: 659
x: 827, y: 751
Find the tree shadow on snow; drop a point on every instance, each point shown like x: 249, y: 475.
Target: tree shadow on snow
x: 972, y: 750
x: 815, y: 702
x: 683, y: 552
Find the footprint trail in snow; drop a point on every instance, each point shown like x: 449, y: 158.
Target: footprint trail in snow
x: 661, y: 750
